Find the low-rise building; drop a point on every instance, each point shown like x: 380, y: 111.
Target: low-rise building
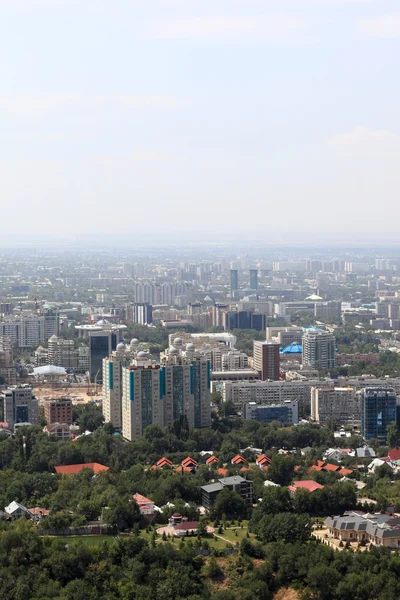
x: 355, y: 526
x: 244, y: 487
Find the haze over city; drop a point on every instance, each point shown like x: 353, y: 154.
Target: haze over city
x: 211, y: 117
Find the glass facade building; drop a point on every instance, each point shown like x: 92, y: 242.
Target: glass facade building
x: 378, y: 410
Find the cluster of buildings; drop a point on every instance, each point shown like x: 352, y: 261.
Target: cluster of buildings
x: 138, y: 391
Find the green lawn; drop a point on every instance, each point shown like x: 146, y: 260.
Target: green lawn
x: 88, y: 540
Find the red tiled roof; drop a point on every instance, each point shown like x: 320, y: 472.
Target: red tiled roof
x: 394, y: 454
x: 344, y: 471
x: 297, y: 468
x: 320, y: 463
x: 330, y: 467
x: 265, y: 468
x: 212, y: 459
x: 223, y: 472
x: 245, y: 469
x: 306, y: 484
x: 75, y: 469
x: 139, y: 499
x: 189, y: 461
x: 153, y: 467
x: 187, y: 525
x: 314, y: 468
x: 39, y: 511
x: 261, y: 460
x: 180, y: 469
x: 238, y: 459
x: 164, y: 461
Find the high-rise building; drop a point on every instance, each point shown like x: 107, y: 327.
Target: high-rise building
x: 19, y: 406
x: 112, y: 381
x: 58, y: 410
x: 138, y: 392
x: 254, y: 279
x: 29, y: 329
x: 266, y: 360
x: 244, y: 319
x: 142, y: 313
x: 234, y: 282
x: 101, y: 344
x: 340, y: 406
x: 319, y: 348
x: 378, y: 410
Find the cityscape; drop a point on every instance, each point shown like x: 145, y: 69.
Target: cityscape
x: 200, y: 300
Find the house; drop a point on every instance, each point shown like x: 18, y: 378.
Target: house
x: 181, y: 469
x: 164, y: 462
x: 38, y: 513
x: 189, y: 463
x: 378, y: 462
x: 204, y: 453
x: 75, y: 469
x: 262, y: 461
x: 212, y: 460
x: 238, y: 460
x: 365, y: 452
x: 181, y: 526
x: 59, y: 430
x: 269, y: 483
x: 146, y: 506
x: 243, y: 487
x: 343, y: 471
x: 222, y: 472
x: 336, y: 454
x: 394, y: 454
x: 355, y: 526
x: 307, y: 484
x: 16, y: 510
x: 330, y: 467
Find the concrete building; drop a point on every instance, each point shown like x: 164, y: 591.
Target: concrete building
x: 27, y: 329
x: 339, y: 405
x: 19, y: 406
x: 254, y: 279
x: 234, y: 282
x: 286, y: 413
x: 101, y: 345
x: 378, y: 410
x: 319, y: 349
x: 112, y: 381
x: 142, y: 313
x: 58, y: 410
x: 355, y: 526
x: 244, y: 487
x: 326, y: 311
x: 266, y: 360
x: 103, y: 325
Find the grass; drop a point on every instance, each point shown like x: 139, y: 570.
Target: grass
x: 88, y: 540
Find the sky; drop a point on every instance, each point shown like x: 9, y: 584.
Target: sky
x: 136, y: 117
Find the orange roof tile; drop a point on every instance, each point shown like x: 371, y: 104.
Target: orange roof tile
x: 344, y: 471
x: 164, y: 461
x: 329, y: 467
x: 238, y: 459
x: 306, y: 484
x: 180, y: 469
x: 212, y: 459
x: 75, y: 469
x: 141, y: 500
x: 189, y: 461
x: 223, y: 472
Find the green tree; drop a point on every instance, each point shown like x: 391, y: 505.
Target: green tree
x: 281, y: 469
x: 392, y: 435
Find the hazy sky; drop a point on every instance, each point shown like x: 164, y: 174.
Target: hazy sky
x: 167, y: 115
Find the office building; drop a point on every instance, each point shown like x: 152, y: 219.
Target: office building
x: 254, y: 279
x: 103, y: 325
x: 58, y: 410
x: 319, y: 349
x: 7, y: 367
x: 101, y: 344
x: 234, y: 282
x: 286, y: 413
x: 142, y: 313
x: 378, y: 410
x: 266, y: 360
x: 244, y: 319
x: 19, y: 406
x: 326, y: 311
x: 339, y: 405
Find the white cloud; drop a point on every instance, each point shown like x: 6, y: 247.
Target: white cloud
x: 30, y: 105
x: 386, y: 26
x: 365, y: 143
x: 233, y: 28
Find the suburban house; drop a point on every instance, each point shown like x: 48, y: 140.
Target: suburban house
x: 394, y: 454
x: 242, y: 486
x: 238, y: 460
x: 146, y: 506
x: 336, y: 454
x: 38, y: 513
x: 182, y: 526
x: 379, y: 462
x: 189, y: 463
x: 222, y: 472
x: 307, y: 484
x: 59, y: 430
x: 323, y: 466
x: 355, y: 526
x: 164, y: 462
x: 212, y: 460
x: 262, y: 461
x: 366, y: 452
x: 75, y: 469
x: 16, y: 510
